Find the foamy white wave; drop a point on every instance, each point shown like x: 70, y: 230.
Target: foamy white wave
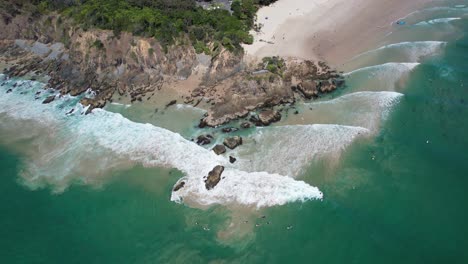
x: 410, y: 51
x: 120, y: 104
x: 437, y: 21
x: 258, y: 189
x: 189, y: 107
x: 385, y: 69
x: 289, y: 149
x: 432, y: 10
x: 359, y: 109
x: 383, y: 77
x: 414, y: 51
x: 66, y: 148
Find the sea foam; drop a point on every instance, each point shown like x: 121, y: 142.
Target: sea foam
x: 401, y: 52
x: 289, y: 149
x: 76, y: 147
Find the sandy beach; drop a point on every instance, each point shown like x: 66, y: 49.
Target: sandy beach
x: 330, y: 30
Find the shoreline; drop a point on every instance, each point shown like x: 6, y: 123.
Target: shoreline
x: 329, y: 30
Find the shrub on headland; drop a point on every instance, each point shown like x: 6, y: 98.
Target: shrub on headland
x: 165, y: 20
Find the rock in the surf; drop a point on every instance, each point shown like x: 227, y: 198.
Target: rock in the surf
x: 229, y: 129
x: 232, y: 159
x: 233, y: 142
x: 179, y: 186
x: 49, y: 99
x: 219, y: 149
x: 214, y: 177
x: 204, y: 140
x: 245, y: 125
x: 269, y: 116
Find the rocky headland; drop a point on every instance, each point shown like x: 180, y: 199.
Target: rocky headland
x: 73, y: 60
x: 110, y: 65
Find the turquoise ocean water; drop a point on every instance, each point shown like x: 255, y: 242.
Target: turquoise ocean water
x: 390, y: 157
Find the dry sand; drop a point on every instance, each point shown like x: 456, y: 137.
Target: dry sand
x: 330, y: 30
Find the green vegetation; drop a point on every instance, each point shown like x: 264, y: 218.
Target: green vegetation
x: 274, y: 65
x: 166, y: 20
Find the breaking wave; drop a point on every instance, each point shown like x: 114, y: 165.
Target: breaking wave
x: 65, y: 146
x: 289, y: 149
x: 401, y: 52
x: 437, y: 21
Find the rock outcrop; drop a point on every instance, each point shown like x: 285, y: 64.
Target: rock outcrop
x: 219, y: 149
x: 269, y: 116
x: 233, y: 142
x: 214, y: 177
x: 204, y: 140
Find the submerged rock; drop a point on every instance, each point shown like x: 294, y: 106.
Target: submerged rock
x: 214, y: 177
x: 229, y: 129
x: 219, y: 149
x: 179, y: 186
x: 245, y: 125
x: 269, y: 116
x: 49, y: 99
x: 232, y: 142
x: 173, y: 102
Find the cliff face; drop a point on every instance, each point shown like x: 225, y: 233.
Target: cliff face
x: 76, y: 60
x: 98, y: 59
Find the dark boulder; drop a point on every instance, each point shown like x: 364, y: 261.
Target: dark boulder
x: 232, y: 142
x: 49, y: 99
x: 204, y: 140
x: 219, y: 149
x: 202, y: 124
x: 9, y: 91
x: 232, y: 159
x: 179, y: 186
x: 245, y: 125
x: 214, y: 177
x: 173, y: 102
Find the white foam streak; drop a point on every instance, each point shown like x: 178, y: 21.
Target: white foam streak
x: 437, y: 21
x: 384, y: 69
x: 411, y: 51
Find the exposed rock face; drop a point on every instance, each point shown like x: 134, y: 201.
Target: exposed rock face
x: 214, y: 177
x: 179, y: 186
x: 269, y: 116
x: 49, y: 99
x: 219, y: 149
x: 308, y: 89
x: 233, y: 142
x: 327, y: 87
x: 204, y: 140
x: 76, y: 60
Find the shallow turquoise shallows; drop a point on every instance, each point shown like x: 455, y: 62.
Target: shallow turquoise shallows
x: 397, y: 196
